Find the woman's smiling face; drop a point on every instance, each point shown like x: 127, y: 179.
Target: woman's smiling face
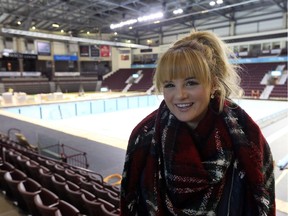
x: 187, y: 99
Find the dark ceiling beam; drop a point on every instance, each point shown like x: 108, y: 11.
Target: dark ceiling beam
x: 281, y: 4
x: 34, y: 12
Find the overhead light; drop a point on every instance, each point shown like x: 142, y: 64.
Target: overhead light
x: 88, y: 32
x: 135, y: 76
x: 178, y: 11
x: 62, y: 31
x: 55, y: 25
x: 155, y: 22
x: 19, y: 22
x: 150, y: 17
x: 130, y: 27
x: 121, y: 24
x: 139, y: 19
x: 212, y: 3
x: 33, y: 27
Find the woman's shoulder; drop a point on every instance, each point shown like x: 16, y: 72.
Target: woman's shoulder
x: 145, y: 124
x: 142, y: 134
x: 246, y: 122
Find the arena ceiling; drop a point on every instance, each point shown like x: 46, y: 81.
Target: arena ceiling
x: 96, y: 16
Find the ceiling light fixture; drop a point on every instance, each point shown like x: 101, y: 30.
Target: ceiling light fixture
x: 212, y: 3
x: 150, y: 17
x: 121, y: 24
x: 218, y: 2
x: 139, y: 19
x: 55, y: 25
x: 178, y: 11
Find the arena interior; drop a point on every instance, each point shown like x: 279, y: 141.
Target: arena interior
x: 76, y: 77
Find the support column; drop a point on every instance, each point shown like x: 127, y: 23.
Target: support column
x: 160, y: 39
x: 232, y: 28
x: 19, y: 50
x: 285, y: 20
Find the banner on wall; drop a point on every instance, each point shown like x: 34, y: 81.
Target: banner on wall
x: 43, y: 48
x: 105, y: 51
x: 65, y: 58
x: 94, y: 51
x: 84, y: 50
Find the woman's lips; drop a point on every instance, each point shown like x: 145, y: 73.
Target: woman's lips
x: 183, y: 106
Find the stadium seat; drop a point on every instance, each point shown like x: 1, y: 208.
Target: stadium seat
x: 108, y: 211
x: 66, y: 208
x: 72, y: 192
x: 59, y: 169
x: 114, y: 200
x: 93, y: 206
x: 46, y: 202
x: 12, y: 158
x: 112, y: 188
x: 86, y: 184
x: 72, y: 176
x: 107, y: 205
x: 101, y: 193
x: 21, y: 160
x: 45, y: 176
x: 4, y: 167
x: 28, y: 189
x: 59, y: 183
x: 13, y: 178
x: 50, y: 210
x: 32, y: 168
x: 75, y: 196
x: 41, y: 161
x: 50, y: 164
x: 95, y: 177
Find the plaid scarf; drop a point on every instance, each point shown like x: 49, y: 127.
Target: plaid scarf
x: 173, y: 170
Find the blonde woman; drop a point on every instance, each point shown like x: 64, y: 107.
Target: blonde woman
x: 199, y: 153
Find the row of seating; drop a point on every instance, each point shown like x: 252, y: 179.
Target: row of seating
x: 252, y: 75
x: 78, y: 188
x: 31, y: 197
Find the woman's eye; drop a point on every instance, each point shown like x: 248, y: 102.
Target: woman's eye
x: 192, y: 83
x: 168, y: 85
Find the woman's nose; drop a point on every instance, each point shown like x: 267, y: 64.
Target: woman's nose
x: 181, y: 93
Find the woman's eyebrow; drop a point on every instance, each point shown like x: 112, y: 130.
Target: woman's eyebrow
x: 188, y: 78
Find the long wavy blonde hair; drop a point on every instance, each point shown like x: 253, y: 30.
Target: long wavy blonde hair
x: 204, y: 56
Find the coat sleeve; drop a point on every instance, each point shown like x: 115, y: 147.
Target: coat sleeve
x: 264, y: 161
x: 135, y: 160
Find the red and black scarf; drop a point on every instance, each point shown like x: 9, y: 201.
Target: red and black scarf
x: 171, y: 169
